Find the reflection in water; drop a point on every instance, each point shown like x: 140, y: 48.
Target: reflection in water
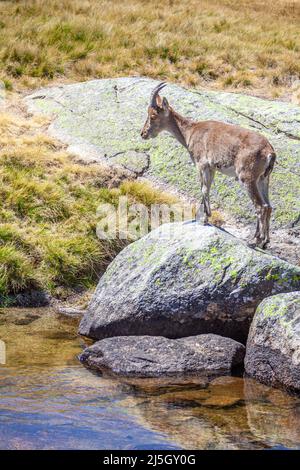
x: 272, y: 415
x: 227, y: 413
x: 49, y: 401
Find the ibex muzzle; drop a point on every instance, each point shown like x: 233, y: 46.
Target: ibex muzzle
x: 217, y: 146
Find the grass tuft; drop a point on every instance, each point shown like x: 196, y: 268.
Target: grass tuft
x: 144, y: 193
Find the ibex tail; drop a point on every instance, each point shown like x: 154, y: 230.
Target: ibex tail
x: 271, y: 162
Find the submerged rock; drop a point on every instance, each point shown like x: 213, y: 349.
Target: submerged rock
x: 185, y: 279
x: 273, y: 415
x: 273, y: 346
x: 101, y: 120
x: 70, y: 311
x: 154, y: 356
x: 202, y: 417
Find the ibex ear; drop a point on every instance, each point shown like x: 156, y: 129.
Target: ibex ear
x: 162, y: 104
x: 165, y: 104
x: 159, y: 101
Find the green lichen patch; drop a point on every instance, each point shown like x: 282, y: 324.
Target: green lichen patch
x: 278, y: 305
x: 281, y: 308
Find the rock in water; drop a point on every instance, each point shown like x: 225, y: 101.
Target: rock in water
x: 154, y: 356
x: 185, y: 279
x: 273, y: 346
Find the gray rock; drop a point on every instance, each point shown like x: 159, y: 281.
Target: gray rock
x: 154, y: 356
x: 70, y: 311
x: 30, y: 298
x: 184, y: 279
x: 273, y: 346
x: 102, y: 119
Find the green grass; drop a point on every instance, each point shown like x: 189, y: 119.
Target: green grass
x: 249, y: 45
x: 48, y: 206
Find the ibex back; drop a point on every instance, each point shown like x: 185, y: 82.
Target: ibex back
x: 216, y: 146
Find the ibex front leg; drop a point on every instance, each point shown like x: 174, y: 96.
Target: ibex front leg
x: 206, y: 174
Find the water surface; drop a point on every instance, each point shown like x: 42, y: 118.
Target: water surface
x: 48, y: 400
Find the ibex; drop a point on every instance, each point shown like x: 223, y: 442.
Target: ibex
x: 230, y: 149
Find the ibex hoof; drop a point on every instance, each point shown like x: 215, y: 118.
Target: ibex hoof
x: 262, y: 244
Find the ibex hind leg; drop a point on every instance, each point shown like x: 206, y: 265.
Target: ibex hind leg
x: 263, y: 186
x: 258, y: 203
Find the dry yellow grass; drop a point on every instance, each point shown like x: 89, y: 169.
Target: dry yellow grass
x: 232, y: 44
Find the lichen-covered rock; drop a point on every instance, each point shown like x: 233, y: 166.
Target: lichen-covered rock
x: 184, y: 279
x: 273, y: 346
x: 102, y: 119
x: 155, y: 356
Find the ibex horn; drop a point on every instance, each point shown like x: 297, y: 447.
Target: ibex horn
x: 155, y: 93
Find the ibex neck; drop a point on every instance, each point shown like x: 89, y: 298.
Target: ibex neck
x: 179, y: 127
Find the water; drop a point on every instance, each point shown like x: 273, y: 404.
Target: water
x: 48, y: 400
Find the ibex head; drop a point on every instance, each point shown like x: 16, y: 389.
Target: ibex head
x: 158, y: 112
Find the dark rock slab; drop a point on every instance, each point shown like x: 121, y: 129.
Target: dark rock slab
x: 154, y: 356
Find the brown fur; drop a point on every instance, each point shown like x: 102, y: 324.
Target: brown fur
x: 217, y: 146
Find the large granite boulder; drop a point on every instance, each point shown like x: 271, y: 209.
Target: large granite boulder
x: 155, y: 356
x: 185, y: 279
x: 273, y: 346
x: 101, y: 120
